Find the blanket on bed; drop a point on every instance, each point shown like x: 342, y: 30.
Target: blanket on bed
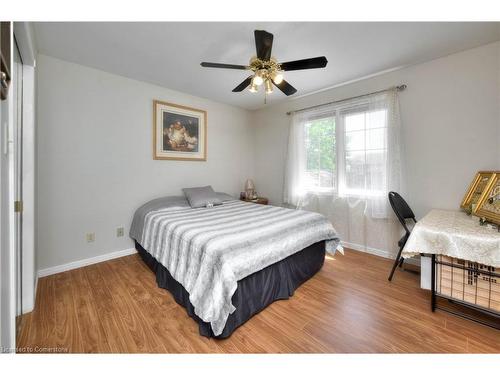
x: 208, y: 250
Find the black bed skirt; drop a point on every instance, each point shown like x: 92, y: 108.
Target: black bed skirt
x: 255, y: 292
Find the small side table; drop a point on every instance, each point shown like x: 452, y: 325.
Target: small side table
x: 258, y: 200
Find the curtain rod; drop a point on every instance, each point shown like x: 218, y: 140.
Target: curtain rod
x: 398, y: 88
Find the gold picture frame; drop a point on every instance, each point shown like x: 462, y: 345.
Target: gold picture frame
x: 488, y: 206
x: 179, y: 132
x: 475, y: 190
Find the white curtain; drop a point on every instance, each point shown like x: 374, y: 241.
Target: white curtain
x: 349, y: 186
x: 295, y: 186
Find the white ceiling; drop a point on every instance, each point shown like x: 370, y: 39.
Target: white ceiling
x: 169, y: 54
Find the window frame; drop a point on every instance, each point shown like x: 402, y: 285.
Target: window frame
x: 339, y: 115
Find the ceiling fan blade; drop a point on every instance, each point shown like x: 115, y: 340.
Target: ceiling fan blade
x: 224, y: 66
x: 313, y: 63
x: 286, y: 88
x: 263, y: 44
x: 243, y: 85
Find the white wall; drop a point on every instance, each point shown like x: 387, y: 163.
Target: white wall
x: 451, y: 126
x: 95, y: 164
x: 94, y: 145
x: 498, y: 148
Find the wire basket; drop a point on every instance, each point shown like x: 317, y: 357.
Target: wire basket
x: 469, y: 282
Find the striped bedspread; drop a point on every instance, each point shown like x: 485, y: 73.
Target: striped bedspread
x: 208, y: 250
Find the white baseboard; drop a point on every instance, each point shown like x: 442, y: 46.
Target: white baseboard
x: 36, y: 289
x: 84, y: 262
x: 378, y: 252
x: 29, y: 303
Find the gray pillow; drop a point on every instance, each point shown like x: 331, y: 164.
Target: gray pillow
x: 201, y: 196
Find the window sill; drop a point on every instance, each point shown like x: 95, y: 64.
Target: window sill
x: 358, y: 195
x: 321, y: 192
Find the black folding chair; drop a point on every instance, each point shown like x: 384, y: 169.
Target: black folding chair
x: 403, y: 212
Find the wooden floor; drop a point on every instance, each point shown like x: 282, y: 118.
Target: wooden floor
x: 348, y: 307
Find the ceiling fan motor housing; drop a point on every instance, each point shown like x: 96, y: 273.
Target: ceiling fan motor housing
x: 266, y: 70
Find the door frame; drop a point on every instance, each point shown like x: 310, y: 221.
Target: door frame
x: 24, y: 37
x: 17, y: 168
x: 7, y: 253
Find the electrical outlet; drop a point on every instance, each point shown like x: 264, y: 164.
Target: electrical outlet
x: 90, y: 237
x: 119, y: 232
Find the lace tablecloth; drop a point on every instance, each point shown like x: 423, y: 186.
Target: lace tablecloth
x: 455, y: 234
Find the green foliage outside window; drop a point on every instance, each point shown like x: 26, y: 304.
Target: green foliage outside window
x: 320, y: 150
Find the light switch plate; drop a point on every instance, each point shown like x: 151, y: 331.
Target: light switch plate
x: 119, y: 232
x: 90, y: 237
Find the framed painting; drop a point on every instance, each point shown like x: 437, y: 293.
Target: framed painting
x: 179, y: 132
x: 488, y: 206
x: 476, y: 189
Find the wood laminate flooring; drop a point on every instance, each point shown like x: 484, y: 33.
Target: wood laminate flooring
x: 348, y: 307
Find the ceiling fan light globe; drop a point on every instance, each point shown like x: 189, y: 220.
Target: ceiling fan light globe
x: 269, y: 87
x: 257, y: 80
x: 253, y: 88
x: 277, y: 77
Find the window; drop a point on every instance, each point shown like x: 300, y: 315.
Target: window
x: 350, y: 148
x: 359, y: 143
x: 320, y: 166
x: 365, y: 152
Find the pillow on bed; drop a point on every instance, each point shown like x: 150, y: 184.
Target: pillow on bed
x: 201, y: 197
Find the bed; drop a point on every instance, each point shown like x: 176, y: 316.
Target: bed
x: 226, y: 263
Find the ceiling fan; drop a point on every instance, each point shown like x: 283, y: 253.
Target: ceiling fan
x: 266, y: 70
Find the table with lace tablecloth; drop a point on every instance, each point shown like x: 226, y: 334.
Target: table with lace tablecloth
x: 458, y: 235
x: 455, y: 234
